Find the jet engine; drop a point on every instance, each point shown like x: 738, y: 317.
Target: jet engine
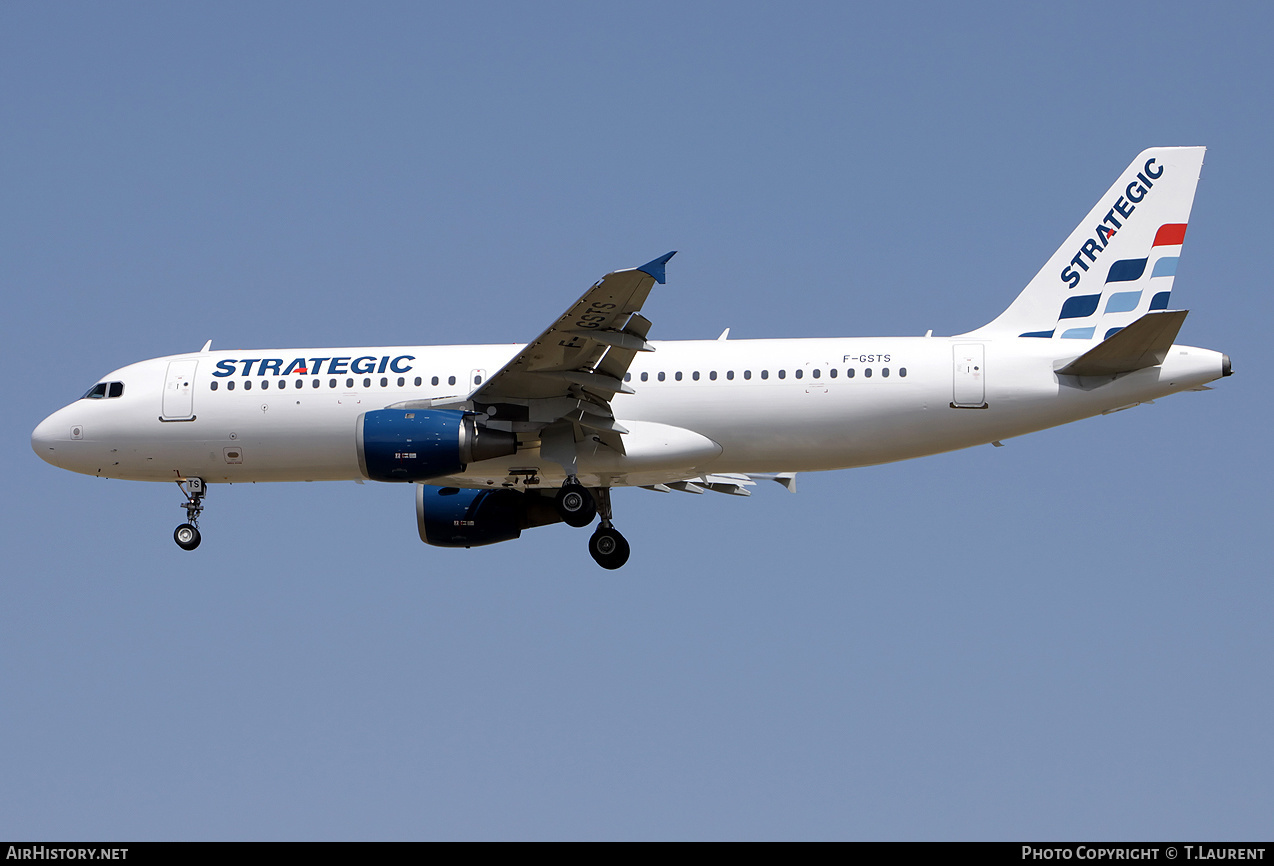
x: 419, y: 444
x: 455, y: 517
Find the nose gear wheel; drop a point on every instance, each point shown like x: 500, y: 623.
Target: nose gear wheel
x: 187, y: 535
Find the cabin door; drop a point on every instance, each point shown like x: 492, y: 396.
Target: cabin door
x: 179, y: 391
x: 970, y: 376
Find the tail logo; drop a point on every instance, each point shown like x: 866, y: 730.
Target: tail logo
x: 1134, y: 193
x: 1085, y: 307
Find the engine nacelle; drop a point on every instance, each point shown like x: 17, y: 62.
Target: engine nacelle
x: 455, y: 517
x: 419, y: 444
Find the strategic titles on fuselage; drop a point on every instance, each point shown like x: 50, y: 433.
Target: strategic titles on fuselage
x: 314, y: 366
x: 1134, y: 193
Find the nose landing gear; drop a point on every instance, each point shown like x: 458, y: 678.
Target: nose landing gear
x: 187, y: 535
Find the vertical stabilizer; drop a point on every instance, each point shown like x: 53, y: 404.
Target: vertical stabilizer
x: 1118, y: 264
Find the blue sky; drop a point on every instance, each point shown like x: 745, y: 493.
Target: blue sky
x: 1065, y: 638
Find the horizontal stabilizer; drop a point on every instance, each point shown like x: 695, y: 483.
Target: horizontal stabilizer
x: 1144, y: 343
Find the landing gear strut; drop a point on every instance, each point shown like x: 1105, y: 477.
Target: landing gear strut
x: 187, y: 535
x: 575, y: 504
x: 607, y: 547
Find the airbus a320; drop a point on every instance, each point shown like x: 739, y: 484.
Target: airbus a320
x: 497, y: 439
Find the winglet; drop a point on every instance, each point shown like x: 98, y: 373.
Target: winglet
x: 656, y: 268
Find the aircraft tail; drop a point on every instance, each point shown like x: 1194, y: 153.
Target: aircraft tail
x: 1118, y: 264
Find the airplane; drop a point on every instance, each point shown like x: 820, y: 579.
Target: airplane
x: 498, y: 439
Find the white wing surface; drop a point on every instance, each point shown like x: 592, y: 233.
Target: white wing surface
x: 572, y: 370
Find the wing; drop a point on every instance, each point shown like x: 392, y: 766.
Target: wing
x: 572, y: 370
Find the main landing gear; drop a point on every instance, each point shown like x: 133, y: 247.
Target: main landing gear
x: 578, y: 506
x: 575, y: 504
x: 608, y: 548
x: 187, y: 535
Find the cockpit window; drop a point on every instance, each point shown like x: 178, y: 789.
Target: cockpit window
x: 104, y: 390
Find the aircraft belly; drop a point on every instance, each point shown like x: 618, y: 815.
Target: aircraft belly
x: 242, y: 444
x: 654, y: 454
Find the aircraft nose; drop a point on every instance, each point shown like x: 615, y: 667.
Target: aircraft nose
x: 44, y: 438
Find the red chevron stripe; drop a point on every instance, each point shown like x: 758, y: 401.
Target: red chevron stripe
x: 1170, y: 235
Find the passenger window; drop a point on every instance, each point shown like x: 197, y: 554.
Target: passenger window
x: 401, y: 381
x: 645, y: 377
x: 662, y: 375
x: 799, y: 373
x: 349, y: 383
x: 213, y: 385
x: 866, y: 372
x: 300, y: 383
x: 849, y: 374
x: 628, y: 377
x: 477, y: 380
x: 902, y: 372
x: 435, y: 380
x: 695, y: 375
x: 384, y: 382
x: 713, y: 375
x: 116, y: 389
x: 265, y: 384
x: 747, y: 374
x: 765, y: 374
x: 832, y: 373
x: 332, y: 383
x: 418, y: 380
x: 817, y: 373
x: 247, y: 386
x: 451, y: 380
x: 316, y: 383
x: 884, y: 371
x: 230, y: 385
x: 782, y: 374
x: 367, y: 383
x: 729, y: 375
x: 677, y: 376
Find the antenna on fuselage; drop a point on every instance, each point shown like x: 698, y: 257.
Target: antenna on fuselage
x: 206, y: 347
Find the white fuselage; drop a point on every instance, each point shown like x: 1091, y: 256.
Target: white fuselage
x: 732, y: 406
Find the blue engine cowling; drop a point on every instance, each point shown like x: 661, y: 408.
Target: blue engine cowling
x: 419, y: 444
x: 453, y: 517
